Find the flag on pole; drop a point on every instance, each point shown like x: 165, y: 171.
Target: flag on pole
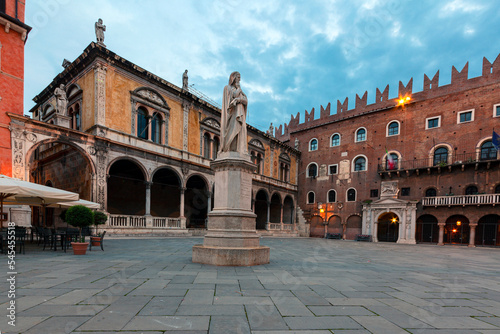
x: 390, y: 160
x: 495, y: 140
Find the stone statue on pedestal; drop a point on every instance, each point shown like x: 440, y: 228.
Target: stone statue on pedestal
x: 185, y: 80
x: 234, y: 113
x: 99, y: 31
x: 61, y: 100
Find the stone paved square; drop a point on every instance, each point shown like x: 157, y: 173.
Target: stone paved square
x: 150, y: 285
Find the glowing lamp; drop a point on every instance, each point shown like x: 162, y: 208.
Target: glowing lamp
x: 459, y: 223
x: 322, y: 210
x: 454, y: 230
x: 394, y: 220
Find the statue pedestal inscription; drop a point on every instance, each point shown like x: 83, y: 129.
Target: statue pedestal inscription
x: 232, y: 239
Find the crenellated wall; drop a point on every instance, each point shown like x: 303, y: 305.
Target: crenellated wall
x: 431, y: 89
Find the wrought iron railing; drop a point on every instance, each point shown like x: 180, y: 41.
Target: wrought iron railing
x: 455, y: 159
x: 480, y: 199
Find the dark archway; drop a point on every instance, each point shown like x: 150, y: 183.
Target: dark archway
x: 488, y: 231
x: 288, y: 210
x: 165, y: 193
x: 427, y: 229
x: 317, y: 228
x: 196, y: 202
x: 260, y: 209
x: 388, y: 227
x: 335, y: 225
x: 353, y: 227
x: 275, y: 209
x: 456, y: 230
x: 126, y: 189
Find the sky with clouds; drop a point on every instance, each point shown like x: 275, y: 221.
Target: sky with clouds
x: 292, y: 55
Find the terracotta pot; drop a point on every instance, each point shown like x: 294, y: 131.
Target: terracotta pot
x: 79, y: 248
x: 96, y: 241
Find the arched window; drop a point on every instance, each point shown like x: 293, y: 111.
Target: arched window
x: 206, y: 146
x: 361, y: 135
x: 335, y: 140
x: 216, y: 147
x: 312, y: 170
x: 440, y: 156
x: 313, y: 145
x: 471, y: 190
x: 393, y: 129
x: 360, y: 164
x: 488, y: 151
x: 431, y: 192
x: 332, y: 196
x: 257, y: 160
x: 156, y: 129
x: 142, y: 123
x: 394, y: 164
x: 310, y: 197
x: 78, y: 125
x: 351, y: 195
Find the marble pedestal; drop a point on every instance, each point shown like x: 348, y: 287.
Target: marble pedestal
x: 231, y: 238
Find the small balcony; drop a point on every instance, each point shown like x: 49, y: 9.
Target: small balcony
x: 439, y: 164
x: 480, y: 199
x: 275, y: 182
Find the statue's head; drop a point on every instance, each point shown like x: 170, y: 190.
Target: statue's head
x: 62, y: 86
x: 233, y: 76
x: 100, y: 21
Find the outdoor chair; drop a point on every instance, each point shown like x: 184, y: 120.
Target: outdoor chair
x: 20, y: 238
x: 102, y: 240
x: 48, y: 238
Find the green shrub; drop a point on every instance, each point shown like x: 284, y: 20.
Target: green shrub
x: 79, y: 216
x: 100, y: 218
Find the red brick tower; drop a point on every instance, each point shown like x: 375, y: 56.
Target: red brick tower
x: 13, y: 34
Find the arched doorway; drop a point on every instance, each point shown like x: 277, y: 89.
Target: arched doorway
x: 427, y: 229
x: 275, y: 209
x: 317, y: 228
x: 388, y: 227
x: 353, y: 227
x: 488, y: 231
x: 126, y: 189
x: 165, y: 193
x: 456, y: 230
x: 260, y: 209
x: 196, y: 202
x: 335, y: 225
x: 288, y: 210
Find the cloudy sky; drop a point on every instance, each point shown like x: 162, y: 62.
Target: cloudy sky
x: 292, y: 55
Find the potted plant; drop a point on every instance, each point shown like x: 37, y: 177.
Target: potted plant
x: 79, y: 216
x: 99, y: 218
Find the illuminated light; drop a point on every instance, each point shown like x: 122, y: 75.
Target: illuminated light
x: 459, y: 223
x: 394, y: 220
x: 402, y: 101
x: 407, y: 98
x: 454, y: 230
x: 322, y: 210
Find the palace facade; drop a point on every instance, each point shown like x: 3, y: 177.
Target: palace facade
x: 420, y: 167
x: 141, y: 147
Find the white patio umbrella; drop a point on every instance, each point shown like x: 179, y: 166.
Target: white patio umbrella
x: 88, y: 204
x: 15, y: 191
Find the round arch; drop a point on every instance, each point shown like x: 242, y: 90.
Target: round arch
x: 353, y: 227
x: 488, y: 231
x: 388, y: 227
x: 335, y: 225
x: 165, y: 192
x: 317, y: 227
x: 126, y: 188
x: 457, y: 230
x: 196, y: 201
x: 275, y: 208
x: 260, y: 208
x: 288, y: 210
x: 427, y: 229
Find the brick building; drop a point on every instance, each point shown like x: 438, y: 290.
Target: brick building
x: 441, y: 183
x: 13, y: 34
x: 141, y: 147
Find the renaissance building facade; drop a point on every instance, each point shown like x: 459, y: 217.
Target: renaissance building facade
x: 417, y: 168
x: 142, y: 147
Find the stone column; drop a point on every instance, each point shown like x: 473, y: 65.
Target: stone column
x: 472, y: 237
x: 100, y: 70
x: 181, y: 215
x: 441, y: 234
x: 209, y: 202
x: 281, y: 219
x: 148, y: 199
x: 375, y: 231
x: 268, y: 212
